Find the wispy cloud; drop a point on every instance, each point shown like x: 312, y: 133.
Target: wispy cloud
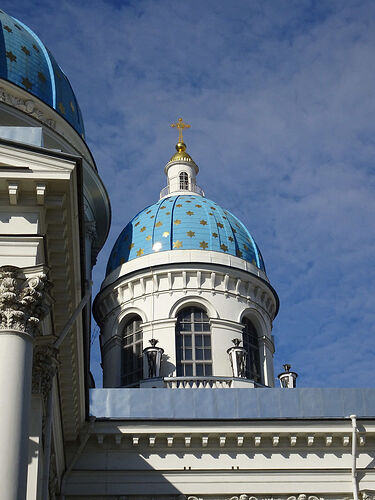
x: 281, y: 100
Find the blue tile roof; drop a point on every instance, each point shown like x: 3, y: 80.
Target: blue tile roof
x: 244, y: 404
x: 26, y: 62
x: 184, y: 222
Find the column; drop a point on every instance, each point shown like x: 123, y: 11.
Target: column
x: 24, y: 301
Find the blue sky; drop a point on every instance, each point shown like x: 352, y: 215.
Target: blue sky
x: 280, y: 95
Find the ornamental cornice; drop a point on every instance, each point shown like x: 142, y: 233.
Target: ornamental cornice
x: 190, y: 281
x: 24, y: 301
x: 28, y: 106
x: 241, y: 496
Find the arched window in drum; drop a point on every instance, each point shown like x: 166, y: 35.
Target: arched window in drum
x: 251, y: 344
x: 193, y: 343
x: 184, y: 181
x: 132, y: 363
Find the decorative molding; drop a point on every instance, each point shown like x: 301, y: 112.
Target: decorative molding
x: 90, y: 230
x: 368, y: 494
x: 204, y: 281
x: 24, y: 302
x: 27, y: 106
x: 44, y: 369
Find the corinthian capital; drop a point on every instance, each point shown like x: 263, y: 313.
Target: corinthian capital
x: 24, y: 298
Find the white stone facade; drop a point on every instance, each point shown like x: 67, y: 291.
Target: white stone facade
x: 158, y: 291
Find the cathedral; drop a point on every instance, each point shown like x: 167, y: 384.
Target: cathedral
x: 190, y: 407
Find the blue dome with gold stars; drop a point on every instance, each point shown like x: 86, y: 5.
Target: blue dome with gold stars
x: 184, y: 222
x: 26, y: 62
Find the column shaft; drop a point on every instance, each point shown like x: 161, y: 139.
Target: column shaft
x: 16, y: 350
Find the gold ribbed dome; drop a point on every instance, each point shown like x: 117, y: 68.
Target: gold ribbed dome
x: 181, y: 154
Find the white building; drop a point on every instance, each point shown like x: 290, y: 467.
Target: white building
x: 189, y: 409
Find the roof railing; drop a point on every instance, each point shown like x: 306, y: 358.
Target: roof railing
x: 193, y: 187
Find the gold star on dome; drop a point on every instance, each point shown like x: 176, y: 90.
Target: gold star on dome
x: 41, y: 77
x: 210, y: 213
x: 11, y: 56
x: 219, y: 224
x: 148, y: 238
x: 198, y: 206
x: 213, y: 208
x: 137, y: 224
x: 239, y: 227
x: 230, y: 238
x: 165, y: 234
x: 177, y: 222
x: 122, y: 260
x: 177, y: 244
x: 35, y: 48
x: 72, y: 106
x: 62, y: 108
x: 224, y: 217
x: 9, y: 30
x: 143, y: 229
x: 189, y: 212
x: 203, y: 245
x: 131, y: 246
x: 179, y: 205
x: 162, y: 208
x: 152, y: 217
x: 224, y: 247
x: 188, y: 201
x: 167, y: 213
x: 158, y: 224
x: 140, y: 252
x: 239, y: 253
x: 203, y: 222
x: 245, y: 247
x: 234, y: 230
x: 190, y: 234
x: 148, y: 212
x: 25, y: 50
x: 26, y: 83
x: 215, y: 235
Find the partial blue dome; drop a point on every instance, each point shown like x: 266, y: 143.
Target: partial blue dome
x: 26, y: 62
x: 185, y: 222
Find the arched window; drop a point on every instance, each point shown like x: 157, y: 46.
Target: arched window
x: 193, y: 343
x: 184, y: 181
x: 132, y: 363
x: 251, y: 344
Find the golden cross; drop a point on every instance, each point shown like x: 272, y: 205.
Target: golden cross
x: 180, y: 125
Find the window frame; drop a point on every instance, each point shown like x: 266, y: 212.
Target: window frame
x: 200, y: 341
x: 131, y: 377
x: 250, y: 341
x: 184, y: 181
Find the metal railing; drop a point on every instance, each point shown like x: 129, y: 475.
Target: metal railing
x: 193, y: 187
x: 198, y: 382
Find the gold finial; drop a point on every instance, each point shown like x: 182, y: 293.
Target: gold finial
x: 180, y: 125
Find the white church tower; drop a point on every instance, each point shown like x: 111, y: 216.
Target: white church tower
x: 186, y: 301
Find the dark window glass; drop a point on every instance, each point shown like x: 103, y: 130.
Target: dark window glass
x: 132, y: 364
x: 251, y: 344
x: 193, y: 349
x: 184, y: 181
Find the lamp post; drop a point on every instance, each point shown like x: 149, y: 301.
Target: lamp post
x: 152, y: 355
x: 287, y: 378
x: 238, y: 359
